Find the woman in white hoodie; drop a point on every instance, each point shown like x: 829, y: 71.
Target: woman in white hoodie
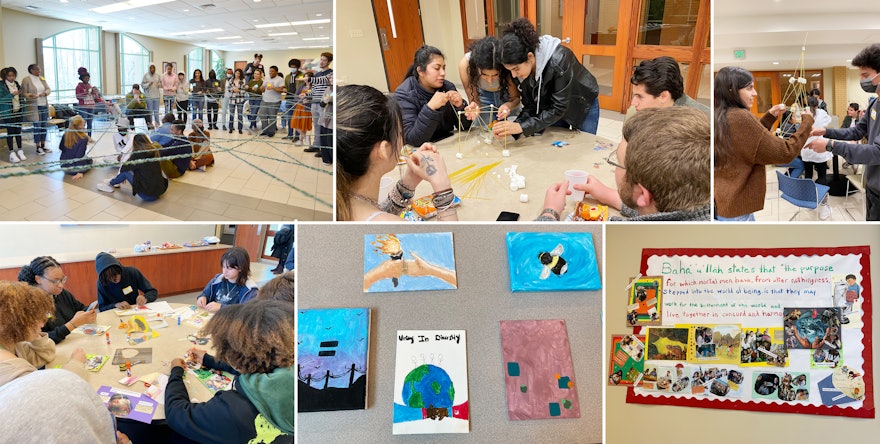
x: 556, y: 89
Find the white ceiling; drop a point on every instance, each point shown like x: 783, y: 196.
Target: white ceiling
x: 774, y: 31
x: 235, y: 17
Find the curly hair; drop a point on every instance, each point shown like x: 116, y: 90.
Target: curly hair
x: 22, y: 306
x: 37, y: 267
x: 280, y: 288
x: 869, y: 57
x: 520, y: 38
x: 256, y: 337
x: 486, y: 54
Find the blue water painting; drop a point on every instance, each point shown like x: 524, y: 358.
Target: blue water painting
x: 409, y: 262
x: 552, y: 262
x: 334, y: 342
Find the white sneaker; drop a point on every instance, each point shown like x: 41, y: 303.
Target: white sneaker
x: 825, y: 211
x: 21, y: 155
x: 107, y: 182
x: 47, y: 150
x: 203, y: 168
x: 13, y: 158
x: 104, y: 187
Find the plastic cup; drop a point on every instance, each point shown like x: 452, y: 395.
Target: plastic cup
x: 385, y: 185
x: 573, y: 177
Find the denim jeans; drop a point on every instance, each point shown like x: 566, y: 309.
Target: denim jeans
x: 744, y: 218
x: 153, y: 107
x: 255, y: 110
x: 590, y: 123
x: 128, y: 176
x: 169, y: 105
x: 41, y: 123
x: 487, y: 99
x: 197, y: 103
x: 87, y: 113
x: 236, y: 110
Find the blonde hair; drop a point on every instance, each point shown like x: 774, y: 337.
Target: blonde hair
x: 75, y: 131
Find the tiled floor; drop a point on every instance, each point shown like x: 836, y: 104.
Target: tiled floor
x: 239, y: 187
x: 843, y: 209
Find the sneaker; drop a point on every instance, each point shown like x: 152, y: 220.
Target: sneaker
x: 203, y: 168
x: 104, y: 187
x: 239, y: 131
x: 224, y: 128
x: 41, y: 151
x: 13, y: 158
x: 21, y: 154
x: 230, y: 131
x: 311, y: 149
x: 318, y: 154
x: 107, y: 182
x: 46, y: 150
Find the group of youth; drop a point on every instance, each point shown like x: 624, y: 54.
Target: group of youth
x: 252, y: 332
x: 744, y: 145
x: 526, y: 83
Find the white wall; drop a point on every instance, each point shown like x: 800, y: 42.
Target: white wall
x: 31, y: 240
x: 277, y: 58
x: 854, y: 92
x: 441, y: 24
x: 359, y: 57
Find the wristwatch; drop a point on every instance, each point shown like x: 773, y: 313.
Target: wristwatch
x: 830, y: 145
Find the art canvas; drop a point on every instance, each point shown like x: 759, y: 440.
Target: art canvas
x: 409, y: 262
x: 538, y: 372
x: 552, y: 262
x: 332, y: 351
x: 430, y: 382
x: 644, y: 302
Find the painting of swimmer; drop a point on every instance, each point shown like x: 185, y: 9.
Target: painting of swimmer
x: 812, y: 328
x: 552, y: 262
x: 409, y: 262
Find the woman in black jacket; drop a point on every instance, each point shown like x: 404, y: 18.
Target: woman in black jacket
x: 45, y: 273
x: 281, y: 245
x: 555, y: 88
x: 430, y: 104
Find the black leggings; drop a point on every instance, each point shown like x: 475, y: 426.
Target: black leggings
x: 13, y: 129
x: 182, y: 106
x: 213, y: 107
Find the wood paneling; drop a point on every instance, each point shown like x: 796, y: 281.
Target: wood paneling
x: 172, y: 273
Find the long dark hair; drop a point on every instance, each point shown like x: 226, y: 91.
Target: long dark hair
x: 201, y: 77
x: 728, y: 81
x: 520, y: 38
x: 486, y: 54
x: 364, y: 117
x: 37, y: 267
x: 238, y: 258
x: 421, y: 60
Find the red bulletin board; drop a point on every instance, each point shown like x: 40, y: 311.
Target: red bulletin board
x: 867, y: 408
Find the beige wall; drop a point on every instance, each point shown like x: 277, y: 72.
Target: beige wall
x: 441, y: 24
x: 854, y: 92
x: 2, y: 52
x: 277, y: 58
x: 671, y: 424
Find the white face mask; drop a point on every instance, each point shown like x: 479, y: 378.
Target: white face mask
x: 228, y: 76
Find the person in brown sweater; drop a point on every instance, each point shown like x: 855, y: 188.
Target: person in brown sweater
x: 744, y: 145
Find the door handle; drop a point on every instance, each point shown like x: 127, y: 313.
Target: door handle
x: 566, y: 40
x: 383, y: 35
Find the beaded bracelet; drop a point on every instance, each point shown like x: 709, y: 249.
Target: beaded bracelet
x: 552, y: 212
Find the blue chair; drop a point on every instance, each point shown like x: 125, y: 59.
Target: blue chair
x: 803, y: 193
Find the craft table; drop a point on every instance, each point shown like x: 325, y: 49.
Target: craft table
x: 541, y: 163
x: 171, y: 343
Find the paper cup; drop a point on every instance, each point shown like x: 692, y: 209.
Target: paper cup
x: 384, y: 188
x: 573, y: 177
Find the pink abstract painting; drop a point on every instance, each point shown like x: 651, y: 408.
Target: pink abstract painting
x: 538, y: 373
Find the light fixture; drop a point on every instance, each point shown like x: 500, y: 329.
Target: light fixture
x: 305, y: 47
x: 775, y: 63
x: 276, y: 34
x: 318, y: 14
x: 64, y: 1
x: 241, y: 43
x: 130, y: 4
x: 200, y: 31
x: 229, y: 37
x: 317, y: 38
x: 304, y: 22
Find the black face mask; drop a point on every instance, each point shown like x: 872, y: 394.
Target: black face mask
x: 868, y: 86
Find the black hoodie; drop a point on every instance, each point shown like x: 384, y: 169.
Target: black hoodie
x: 130, y: 285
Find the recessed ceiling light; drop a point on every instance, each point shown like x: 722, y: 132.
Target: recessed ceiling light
x: 318, y: 14
x: 229, y: 37
x: 186, y: 10
x: 849, y: 61
x: 275, y: 34
x: 200, y: 31
x: 130, y: 4
x: 64, y: 1
x: 255, y: 20
x: 304, y: 22
x: 241, y: 43
x: 317, y: 38
x: 775, y: 63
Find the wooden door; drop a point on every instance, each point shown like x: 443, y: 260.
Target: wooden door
x: 400, y: 35
x: 250, y: 237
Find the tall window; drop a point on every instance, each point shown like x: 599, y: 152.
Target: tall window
x: 64, y: 53
x: 217, y: 64
x: 195, y: 60
x: 134, y: 59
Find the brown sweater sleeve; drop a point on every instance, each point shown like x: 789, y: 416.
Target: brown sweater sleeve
x: 768, y: 148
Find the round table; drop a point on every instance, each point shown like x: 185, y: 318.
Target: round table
x: 485, y: 189
x: 171, y: 343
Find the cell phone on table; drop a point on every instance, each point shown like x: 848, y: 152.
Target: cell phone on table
x: 507, y: 216
x: 92, y: 305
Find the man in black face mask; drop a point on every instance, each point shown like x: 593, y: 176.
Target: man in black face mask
x: 868, y: 62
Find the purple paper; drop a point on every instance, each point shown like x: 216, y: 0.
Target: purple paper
x: 127, y: 404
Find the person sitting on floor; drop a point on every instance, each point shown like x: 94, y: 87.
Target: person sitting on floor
x: 121, y: 287
x: 162, y: 134
x: 146, y: 179
x: 233, y: 285
x: 73, y: 149
x: 258, y: 340
x: 201, y: 146
x: 662, y: 173
x: 179, y: 146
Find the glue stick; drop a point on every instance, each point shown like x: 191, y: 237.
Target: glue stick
x: 178, y: 319
x: 107, y: 335
x: 128, y: 368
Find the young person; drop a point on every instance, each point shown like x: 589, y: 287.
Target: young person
x: 146, y: 179
x: 429, y: 104
x: 169, y: 87
x: 199, y: 87
x: 487, y: 82
x: 120, y: 286
x: 322, y: 90
x: 136, y: 106
x: 272, y: 88
x: 152, y: 87
x: 369, y: 136
x: 254, y: 93
x: 235, y: 88
x: 201, y: 147
x: 744, y: 145
x: 556, y: 89
x: 213, y: 93
x: 11, y: 110
x: 73, y: 148
x: 86, y: 97
x: 181, y: 98
x: 45, y: 273
x: 35, y: 88
x: 179, y: 147
x: 231, y: 286
x: 658, y: 83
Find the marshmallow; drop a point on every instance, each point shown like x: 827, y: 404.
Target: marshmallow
x: 523, y: 198
x: 459, y: 156
x: 505, y: 153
